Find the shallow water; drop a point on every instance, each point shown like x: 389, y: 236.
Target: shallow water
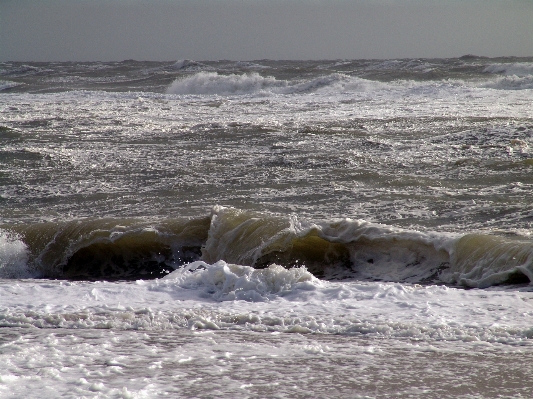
x: 96, y: 363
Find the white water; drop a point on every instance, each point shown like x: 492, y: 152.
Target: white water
x: 516, y: 69
x: 218, y: 330
x: 516, y: 77
x: 223, y: 296
x: 13, y: 257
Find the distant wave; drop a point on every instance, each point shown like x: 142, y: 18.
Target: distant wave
x: 5, y: 85
x: 345, y: 248
x: 214, y: 83
x: 338, y: 83
x: 516, y: 69
x: 250, y: 65
x: 189, y: 65
x: 23, y: 70
x: 512, y: 82
x: 517, y: 76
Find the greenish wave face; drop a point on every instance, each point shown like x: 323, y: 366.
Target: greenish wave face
x: 114, y: 249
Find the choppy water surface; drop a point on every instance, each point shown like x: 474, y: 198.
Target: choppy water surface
x: 382, y: 178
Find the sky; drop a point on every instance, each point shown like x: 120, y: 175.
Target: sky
x: 165, y: 30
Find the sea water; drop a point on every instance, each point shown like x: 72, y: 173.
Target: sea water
x: 348, y: 228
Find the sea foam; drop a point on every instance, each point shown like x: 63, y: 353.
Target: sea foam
x: 13, y: 256
x: 226, y: 282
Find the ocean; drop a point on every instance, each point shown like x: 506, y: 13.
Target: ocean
x: 267, y: 229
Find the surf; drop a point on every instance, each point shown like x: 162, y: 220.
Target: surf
x: 131, y: 249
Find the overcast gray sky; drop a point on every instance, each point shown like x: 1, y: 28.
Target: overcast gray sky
x: 81, y: 30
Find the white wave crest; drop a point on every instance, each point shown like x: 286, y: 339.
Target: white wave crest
x: 511, y: 83
x: 374, y: 251
x: 5, y: 85
x: 182, y: 64
x: 213, y: 83
x: 226, y: 282
x: 252, y: 83
x: 516, y: 69
x: 516, y: 76
x: 250, y: 65
x: 13, y: 256
x: 189, y: 65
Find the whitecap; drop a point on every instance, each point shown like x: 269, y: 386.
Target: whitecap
x: 227, y: 282
x: 13, y: 256
x: 6, y: 84
x: 515, y: 69
x: 213, y: 83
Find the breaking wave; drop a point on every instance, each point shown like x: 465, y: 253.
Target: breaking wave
x: 512, y: 82
x: 6, y: 85
x: 13, y: 256
x: 516, y: 69
x: 516, y: 76
x: 132, y: 249
x: 213, y: 83
x: 226, y: 282
x: 189, y: 65
x: 203, y: 83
